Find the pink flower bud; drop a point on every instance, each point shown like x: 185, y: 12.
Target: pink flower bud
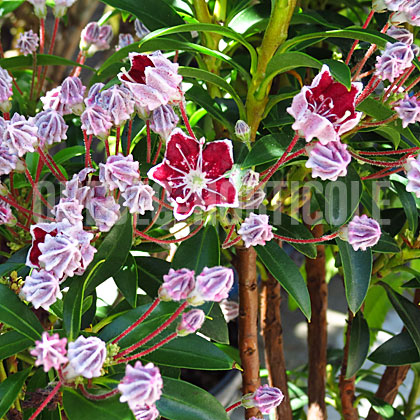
x: 177, y: 284
x: 118, y: 102
x: 119, y: 171
x: 254, y: 202
x: 94, y: 94
x: 69, y: 209
x: 50, y: 351
x: 28, y: 42
x: 86, y: 358
x: 191, y: 322
x: 230, y: 309
x: 394, y: 61
x: 89, y: 35
x: 141, y: 385
x: 75, y: 190
x: 6, y: 90
x: 72, y: 92
x: 213, y: 284
x: 20, y: 135
x: 145, y: 412
x: 51, y: 127
x: 250, y: 179
x: 255, y: 230
x: 163, y: 121
x: 265, y: 398
x: 408, y: 109
x: 105, y: 37
x: 41, y: 288
x: 363, y: 232
x: 52, y: 100
x: 400, y: 34
x: 141, y: 30
x: 6, y: 215
x: 391, y: 5
x: 95, y: 120
x: 242, y: 131
x: 413, y: 176
x: 124, y: 40
x: 407, y: 11
x: 103, y: 209
x: 138, y: 198
x: 328, y: 161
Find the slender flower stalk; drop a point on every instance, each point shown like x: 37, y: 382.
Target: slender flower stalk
x: 185, y: 118
x: 378, y: 162
x: 46, y: 401
x: 382, y: 173
x: 130, y: 129
x: 233, y: 406
x: 97, y: 397
x: 370, y: 87
x: 88, y: 141
x: 307, y: 241
x: 152, y: 335
x: 35, y: 188
x: 149, y: 142
x: 52, y: 166
x: 138, y: 322
x: 379, y: 123
x: 107, y: 149
x: 157, y: 152
x: 149, y: 350
x: 393, y: 88
x: 34, y: 67
x: 118, y: 138
x: 172, y: 241
x: 389, y: 152
x: 231, y: 243
x: 157, y: 214
x: 12, y: 202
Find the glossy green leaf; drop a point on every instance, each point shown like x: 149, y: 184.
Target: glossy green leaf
x: 114, y: 250
x: 386, y: 244
x: 10, y: 388
x: 385, y: 410
x: 357, y: 268
x: 15, y: 314
x: 151, y: 272
x: 340, y: 72
x: 216, y: 80
x: 289, y: 227
x: 215, y: 326
x: 68, y: 153
x: 183, y: 401
x: 202, y: 250
x: 11, y: 343
x: 190, y: 352
x: 9, y: 6
x: 25, y: 61
x: 409, y: 205
x: 359, y: 344
x: 127, y: 280
x: 78, y: 407
x: 407, y: 311
x: 311, y: 17
x: 286, y: 273
x: 15, y: 262
x: 399, y: 350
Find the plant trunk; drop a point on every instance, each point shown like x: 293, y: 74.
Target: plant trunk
x: 273, y: 343
x: 248, y: 323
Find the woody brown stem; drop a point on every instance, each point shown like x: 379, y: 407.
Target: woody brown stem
x: 248, y: 323
x: 347, y: 386
x: 317, y: 331
x: 273, y: 343
x: 391, y: 379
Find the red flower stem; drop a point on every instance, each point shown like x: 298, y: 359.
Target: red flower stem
x: 52, y: 166
x: 229, y: 235
x: 176, y: 56
x: 377, y: 123
x: 414, y: 83
x: 165, y: 241
x: 233, y: 406
x: 79, y: 56
x: 149, y: 142
x: 87, y: 142
x: 54, y: 35
x: 167, y: 206
x: 22, y: 209
x: 130, y: 129
x: 356, y: 42
x: 393, y: 88
x: 41, y: 35
x: 149, y: 350
x: 1, y: 50
x: 12, y: 183
x: 6, y: 116
x: 152, y: 335
x: 289, y: 158
x: 155, y: 217
x: 274, y: 168
x: 46, y: 401
x: 25, y: 228
x: 367, y: 73
x: 117, y: 144
x: 77, y: 69
x: 35, y: 188
x: 381, y: 174
x: 39, y: 167
x: 108, y: 151
x: 97, y: 397
x: 378, y: 162
x: 232, y: 242
x: 34, y: 69
x: 185, y: 118
x: 12, y: 231
x: 157, y: 152
x: 369, y: 88
x: 138, y: 322
x: 390, y: 152
x: 307, y: 241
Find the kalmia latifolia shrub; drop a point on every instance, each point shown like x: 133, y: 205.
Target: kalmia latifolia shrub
x: 202, y: 159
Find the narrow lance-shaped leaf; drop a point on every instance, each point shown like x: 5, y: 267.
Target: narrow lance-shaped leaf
x: 359, y: 344
x: 10, y: 388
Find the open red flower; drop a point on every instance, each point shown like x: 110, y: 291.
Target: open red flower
x: 196, y: 175
x: 325, y: 109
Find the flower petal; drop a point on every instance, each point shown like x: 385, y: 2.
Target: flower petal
x: 217, y: 158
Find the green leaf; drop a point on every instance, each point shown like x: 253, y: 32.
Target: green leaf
x: 216, y: 80
x: 386, y: 244
x: 114, y: 250
x: 190, y: 352
x: 409, y: 205
x: 151, y: 272
x: 202, y: 250
x: 8, y: 6
x: 357, y: 268
x: 183, y: 401
x: 15, y: 262
x: 154, y: 14
x: 359, y: 344
x: 22, y: 61
x: 12, y: 342
x: 68, y: 153
x: 385, y: 410
x: 215, y: 326
x: 78, y: 407
x: 399, y: 350
x: 15, y: 314
x: 340, y: 72
x: 407, y: 311
x: 127, y: 280
x: 286, y: 273
x: 10, y: 388
x: 292, y: 228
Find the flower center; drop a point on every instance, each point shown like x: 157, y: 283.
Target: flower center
x: 196, y: 180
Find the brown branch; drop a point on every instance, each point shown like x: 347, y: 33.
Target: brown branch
x: 273, y: 343
x: 248, y: 322
x: 391, y: 379
x: 347, y: 386
x: 317, y: 331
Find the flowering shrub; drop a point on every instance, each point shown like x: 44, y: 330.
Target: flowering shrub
x: 199, y: 157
